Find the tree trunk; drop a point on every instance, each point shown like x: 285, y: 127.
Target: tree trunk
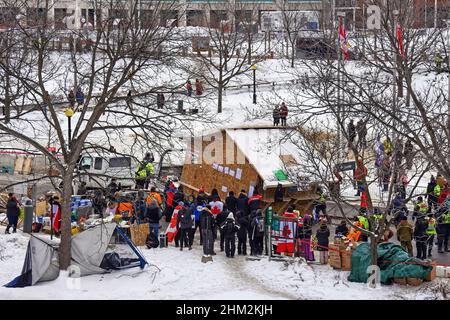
x: 219, y: 98
x: 293, y: 56
x: 66, y: 235
x: 373, y: 257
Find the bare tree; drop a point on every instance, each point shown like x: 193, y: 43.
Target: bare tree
x: 228, y: 55
x: 112, y: 65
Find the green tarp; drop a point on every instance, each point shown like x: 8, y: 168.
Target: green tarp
x: 280, y: 175
x: 391, y: 261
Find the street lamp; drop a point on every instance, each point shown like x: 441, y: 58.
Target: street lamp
x: 69, y: 113
x: 253, y: 67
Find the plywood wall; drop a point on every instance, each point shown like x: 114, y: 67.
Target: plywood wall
x: 203, y: 174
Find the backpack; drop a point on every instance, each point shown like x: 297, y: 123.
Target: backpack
x: 152, y: 241
x: 259, y: 225
x: 229, y: 227
x: 185, y: 218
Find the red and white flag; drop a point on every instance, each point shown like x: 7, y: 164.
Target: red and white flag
x: 343, y: 37
x: 400, y: 41
x: 172, y: 230
x: 56, y: 217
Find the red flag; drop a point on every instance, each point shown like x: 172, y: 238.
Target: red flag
x: 343, y: 37
x: 400, y: 40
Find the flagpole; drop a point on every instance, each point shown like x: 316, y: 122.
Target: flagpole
x: 394, y: 91
x: 339, y: 107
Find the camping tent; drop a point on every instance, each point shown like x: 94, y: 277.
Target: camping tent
x: 88, y: 250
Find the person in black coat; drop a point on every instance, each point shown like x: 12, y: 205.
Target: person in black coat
x: 342, y: 229
x: 432, y: 199
x: 231, y: 202
x: 421, y: 237
x: 229, y: 229
x: 257, y: 235
x: 220, y: 219
x: 152, y: 216
x: 207, y: 223
x: 242, y: 203
x: 178, y: 197
x: 244, y: 224
x: 12, y: 212
x: 323, y: 235
x: 184, y: 225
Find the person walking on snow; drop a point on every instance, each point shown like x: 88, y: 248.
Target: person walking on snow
x: 276, y: 116
x: 12, y: 212
x: 431, y: 232
x: 71, y: 98
x: 229, y: 229
x: 323, y: 235
x: 189, y: 88
x: 198, y: 87
x: 243, y: 222
x: 405, y: 235
x: 206, y: 223
x: 421, y: 237
x: 184, y: 226
x: 257, y: 226
x: 80, y: 96
x: 283, y: 114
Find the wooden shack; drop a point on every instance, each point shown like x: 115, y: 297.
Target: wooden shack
x: 248, y: 158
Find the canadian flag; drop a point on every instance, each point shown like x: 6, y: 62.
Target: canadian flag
x: 172, y: 230
x: 216, y: 207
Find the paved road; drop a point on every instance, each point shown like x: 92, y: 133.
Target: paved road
x: 443, y: 258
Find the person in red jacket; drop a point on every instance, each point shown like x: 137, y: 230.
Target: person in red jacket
x: 283, y: 113
x: 254, y: 202
x: 445, y: 192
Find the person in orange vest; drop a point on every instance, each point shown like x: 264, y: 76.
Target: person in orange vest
x: 354, y: 234
x: 154, y: 195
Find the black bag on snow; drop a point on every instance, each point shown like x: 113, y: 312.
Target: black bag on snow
x: 152, y: 241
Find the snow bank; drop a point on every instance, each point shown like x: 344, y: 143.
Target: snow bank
x: 175, y: 274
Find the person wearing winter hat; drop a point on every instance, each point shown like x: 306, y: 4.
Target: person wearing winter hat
x: 323, y: 235
x: 206, y: 227
x: 229, y: 229
x: 184, y: 225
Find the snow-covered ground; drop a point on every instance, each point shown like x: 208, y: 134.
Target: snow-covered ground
x: 176, y: 274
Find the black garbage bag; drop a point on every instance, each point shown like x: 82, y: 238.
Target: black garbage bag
x: 111, y: 260
x: 152, y: 241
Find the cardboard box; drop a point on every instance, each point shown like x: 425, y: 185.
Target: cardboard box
x: 402, y: 281
x: 432, y: 275
x: 414, y: 281
x: 335, y: 262
x: 346, y: 261
x: 47, y: 229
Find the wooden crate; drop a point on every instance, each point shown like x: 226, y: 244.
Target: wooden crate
x: 139, y: 233
x: 402, y: 281
x: 432, y: 275
x: 414, y: 281
x: 346, y: 261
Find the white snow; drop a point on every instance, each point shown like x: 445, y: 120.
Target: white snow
x: 175, y: 274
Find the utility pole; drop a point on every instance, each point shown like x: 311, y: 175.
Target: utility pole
x: 339, y: 108
x: 435, y: 13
